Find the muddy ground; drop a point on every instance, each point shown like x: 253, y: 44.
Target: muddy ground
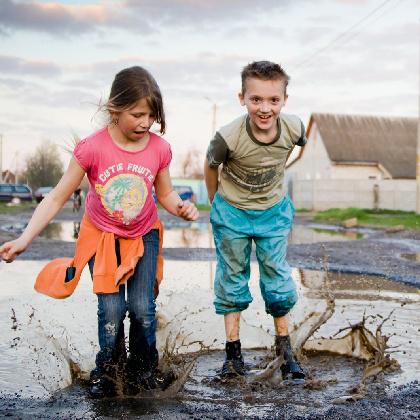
x: 206, y: 398
x: 378, y: 254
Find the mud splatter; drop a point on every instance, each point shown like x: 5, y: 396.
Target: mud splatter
x: 14, y: 320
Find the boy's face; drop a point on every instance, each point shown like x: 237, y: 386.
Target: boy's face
x: 264, y: 100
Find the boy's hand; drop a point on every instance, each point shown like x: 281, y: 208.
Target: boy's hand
x: 10, y: 250
x: 187, y: 210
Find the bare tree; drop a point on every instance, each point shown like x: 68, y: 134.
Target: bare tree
x: 192, y: 165
x: 44, y: 167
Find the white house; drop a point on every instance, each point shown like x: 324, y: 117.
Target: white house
x: 355, y: 161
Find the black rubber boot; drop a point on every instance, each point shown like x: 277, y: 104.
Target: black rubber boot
x: 103, y: 382
x: 291, y: 369
x: 234, y: 364
x: 141, y: 371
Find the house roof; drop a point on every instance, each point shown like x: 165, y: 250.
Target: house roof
x: 357, y: 139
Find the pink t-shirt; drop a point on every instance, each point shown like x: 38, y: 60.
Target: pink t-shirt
x: 120, y: 182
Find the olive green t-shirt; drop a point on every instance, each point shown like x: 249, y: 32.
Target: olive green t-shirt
x: 253, y: 172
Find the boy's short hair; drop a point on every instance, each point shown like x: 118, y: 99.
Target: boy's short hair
x: 264, y: 70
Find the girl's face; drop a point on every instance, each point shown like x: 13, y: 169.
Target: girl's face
x: 134, y: 124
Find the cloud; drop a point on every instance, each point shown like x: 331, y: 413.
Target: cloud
x: 194, y: 75
x: 240, y: 31
x: 42, y: 94
x: 20, y: 66
x: 139, y: 16
x: 352, y: 2
x: 11, y: 83
x: 62, y: 19
x: 203, y: 11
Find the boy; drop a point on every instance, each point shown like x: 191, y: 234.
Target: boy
x: 249, y: 203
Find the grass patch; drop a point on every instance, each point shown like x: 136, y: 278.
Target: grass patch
x: 303, y: 210
x: 203, y: 207
x: 5, y: 209
x: 386, y: 218
x: 200, y: 207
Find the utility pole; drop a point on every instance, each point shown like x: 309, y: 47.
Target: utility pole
x: 418, y: 162
x: 213, y: 126
x: 17, y: 166
x: 418, y: 135
x: 1, y: 157
x: 214, y: 117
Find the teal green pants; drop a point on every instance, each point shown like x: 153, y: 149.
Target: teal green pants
x: 234, y: 230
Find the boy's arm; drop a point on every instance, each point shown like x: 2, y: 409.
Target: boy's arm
x: 217, y: 153
x: 45, y: 211
x: 170, y: 200
x: 211, y: 176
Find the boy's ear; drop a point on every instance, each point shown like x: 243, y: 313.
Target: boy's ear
x: 241, y: 98
x: 285, y: 98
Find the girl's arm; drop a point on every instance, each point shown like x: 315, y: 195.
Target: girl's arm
x: 211, y: 176
x: 45, y: 211
x: 170, y: 200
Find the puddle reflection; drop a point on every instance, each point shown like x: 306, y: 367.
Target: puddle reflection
x: 182, y: 234
x: 411, y: 257
x: 190, y: 235
x: 64, y: 231
x: 308, y: 234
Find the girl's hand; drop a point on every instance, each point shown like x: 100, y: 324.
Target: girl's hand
x: 187, y: 210
x: 10, y: 250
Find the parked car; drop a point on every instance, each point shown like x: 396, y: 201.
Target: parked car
x: 184, y: 191
x: 10, y: 191
x: 41, y: 192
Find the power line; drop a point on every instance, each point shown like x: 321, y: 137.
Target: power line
x: 373, y: 21
x: 340, y: 36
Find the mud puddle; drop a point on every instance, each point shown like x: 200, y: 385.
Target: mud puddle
x: 67, y: 231
x: 180, y: 234
x: 411, y: 256
x: 313, y: 233
x: 204, y: 393
x: 199, y: 235
x: 45, y: 342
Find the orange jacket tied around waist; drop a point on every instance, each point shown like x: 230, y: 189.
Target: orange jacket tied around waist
x: 59, y: 278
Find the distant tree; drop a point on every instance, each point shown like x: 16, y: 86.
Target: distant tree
x: 192, y: 165
x: 44, y: 167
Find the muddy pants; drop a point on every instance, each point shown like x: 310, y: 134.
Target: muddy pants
x: 234, y: 230
x: 140, y: 304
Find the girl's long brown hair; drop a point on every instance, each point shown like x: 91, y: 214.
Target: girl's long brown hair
x: 132, y: 84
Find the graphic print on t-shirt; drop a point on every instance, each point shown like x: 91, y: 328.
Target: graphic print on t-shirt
x: 123, y: 196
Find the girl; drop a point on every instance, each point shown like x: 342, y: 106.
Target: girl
x: 123, y: 162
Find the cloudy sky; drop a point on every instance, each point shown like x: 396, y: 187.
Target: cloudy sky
x: 58, y: 59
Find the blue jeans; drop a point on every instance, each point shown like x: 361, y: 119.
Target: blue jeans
x: 140, y: 304
x: 234, y: 230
